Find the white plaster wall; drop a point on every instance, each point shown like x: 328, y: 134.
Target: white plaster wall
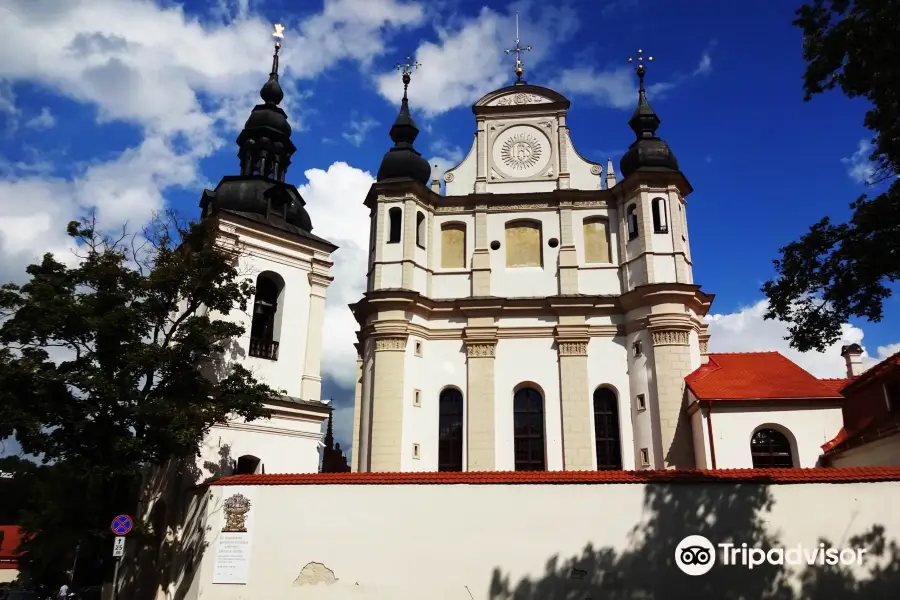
x: 512, y: 186
x: 365, y: 414
x: 580, y: 176
x: 526, y: 360
x: 640, y: 372
x: 286, y: 373
x: 285, y: 445
x: 880, y: 453
x: 442, y: 364
x: 446, y: 542
x: 451, y: 285
x: 664, y: 269
x: 8, y: 575
x: 608, y: 367
x: 733, y: 426
x: 635, y: 274
x: 700, y: 439
x: 420, y: 280
x: 464, y: 174
x: 599, y: 280
x: 523, y: 281
x: 391, y: 276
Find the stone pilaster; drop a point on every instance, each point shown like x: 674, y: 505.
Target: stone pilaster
x: 311, y: 382
x: 578, y: 451
x: 568, y: 256
x: 385, y: 447
x: 481, y: 158
x: 481, y: 256
x: 355, y: 458
x: 672, y: 360
x: 375, y: 270
x: 409, y: 243
x: 480, y: 426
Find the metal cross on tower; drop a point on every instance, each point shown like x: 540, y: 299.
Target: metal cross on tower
x: 518, y: 49
x: 641, y: 67
x: 406, y: 69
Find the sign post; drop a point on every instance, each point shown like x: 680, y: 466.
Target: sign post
x: 121, y: 526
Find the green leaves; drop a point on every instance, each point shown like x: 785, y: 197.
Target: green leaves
x: 118, y: 362
x: 835, y: 272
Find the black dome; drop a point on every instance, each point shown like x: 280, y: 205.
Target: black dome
x: 647, y: 152
x: 262, y: 196
x: 403, y: 161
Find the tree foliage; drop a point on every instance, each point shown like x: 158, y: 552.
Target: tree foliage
x: 843, y: 270
x: 116, y: 363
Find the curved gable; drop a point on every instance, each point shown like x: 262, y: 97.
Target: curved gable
x: 521, y: 95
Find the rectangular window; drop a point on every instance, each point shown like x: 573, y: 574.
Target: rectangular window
x: 645, y: 457
x: 418, y: 348
x: 417, y: 397
x: 638, y: 348
x: 416, y: 452
x: 641, y: 402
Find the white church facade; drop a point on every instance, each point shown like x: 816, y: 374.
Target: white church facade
x: 539, y: 314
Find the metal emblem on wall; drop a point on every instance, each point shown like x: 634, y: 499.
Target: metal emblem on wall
x: 236, y: 509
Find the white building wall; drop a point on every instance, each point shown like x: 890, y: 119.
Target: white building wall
x: 518, y: 362
x: 732, y: 427
x: 517, y: 282
x: 284, y: 445
x: 384, y: 542
x: 608, y: 367
x: 442, y: 365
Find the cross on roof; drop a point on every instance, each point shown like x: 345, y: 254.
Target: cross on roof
x: 518, y: 49
x: 407, y: 68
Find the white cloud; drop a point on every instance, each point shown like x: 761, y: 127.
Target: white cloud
x: 859, y: 168
x: 358, y: 130
x: 44, y: 120
x: 747, y: 331
x: 334, y: 200
x: 468, y: 58
x: 617, y: 87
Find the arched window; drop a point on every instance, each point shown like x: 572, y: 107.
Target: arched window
x: 453, y: 246
x: 248, y: 465
x: 606, y: 430
x: 450, y: 430
x: 770, y: 449
x: 420, y: 230
x: 660, y: 222
x: 596, y: 240
x: 632, y: 218
x: 528, y: 430
x: 264, y: 329
x: 395, y: 216
x: 523, y: 244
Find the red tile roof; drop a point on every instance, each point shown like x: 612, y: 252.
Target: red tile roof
x: 875, y: 430
x: 820, y: 475
x: 836, y: 385
x: 12, y: 536
x: 755, y: 376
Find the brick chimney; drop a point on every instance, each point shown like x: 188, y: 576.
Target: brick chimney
x: 853, y: 357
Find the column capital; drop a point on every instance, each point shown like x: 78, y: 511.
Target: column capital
x: 671, y: 337
x: 572, y: 348
x: 392, y: 343
x: 481, y: 349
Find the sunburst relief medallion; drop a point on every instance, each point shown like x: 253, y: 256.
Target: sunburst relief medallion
x: 521, y: 151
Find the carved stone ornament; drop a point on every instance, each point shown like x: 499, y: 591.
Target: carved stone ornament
x: 481, y: 350
x: 671, y: 338
x: 520, y: 98
x: 236, y: 509
x: 521, y: 151
x: 451, y: 208
x: 596, y: 169
x: 522, y: 206
x: 393, y: 344
x: 573, y: 348
x: 704, y: 347
x: 448, y: 177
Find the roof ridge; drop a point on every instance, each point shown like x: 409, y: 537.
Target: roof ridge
x: 750, y: 352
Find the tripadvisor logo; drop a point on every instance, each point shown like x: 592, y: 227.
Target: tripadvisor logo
x: 696, y: 555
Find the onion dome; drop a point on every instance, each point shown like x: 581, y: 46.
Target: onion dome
x: 648, y: 152
x: 403, y: 161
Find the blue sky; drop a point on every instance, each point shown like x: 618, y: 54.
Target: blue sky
x: 128, y: 106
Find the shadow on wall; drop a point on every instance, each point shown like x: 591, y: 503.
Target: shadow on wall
x: 722, y: 513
